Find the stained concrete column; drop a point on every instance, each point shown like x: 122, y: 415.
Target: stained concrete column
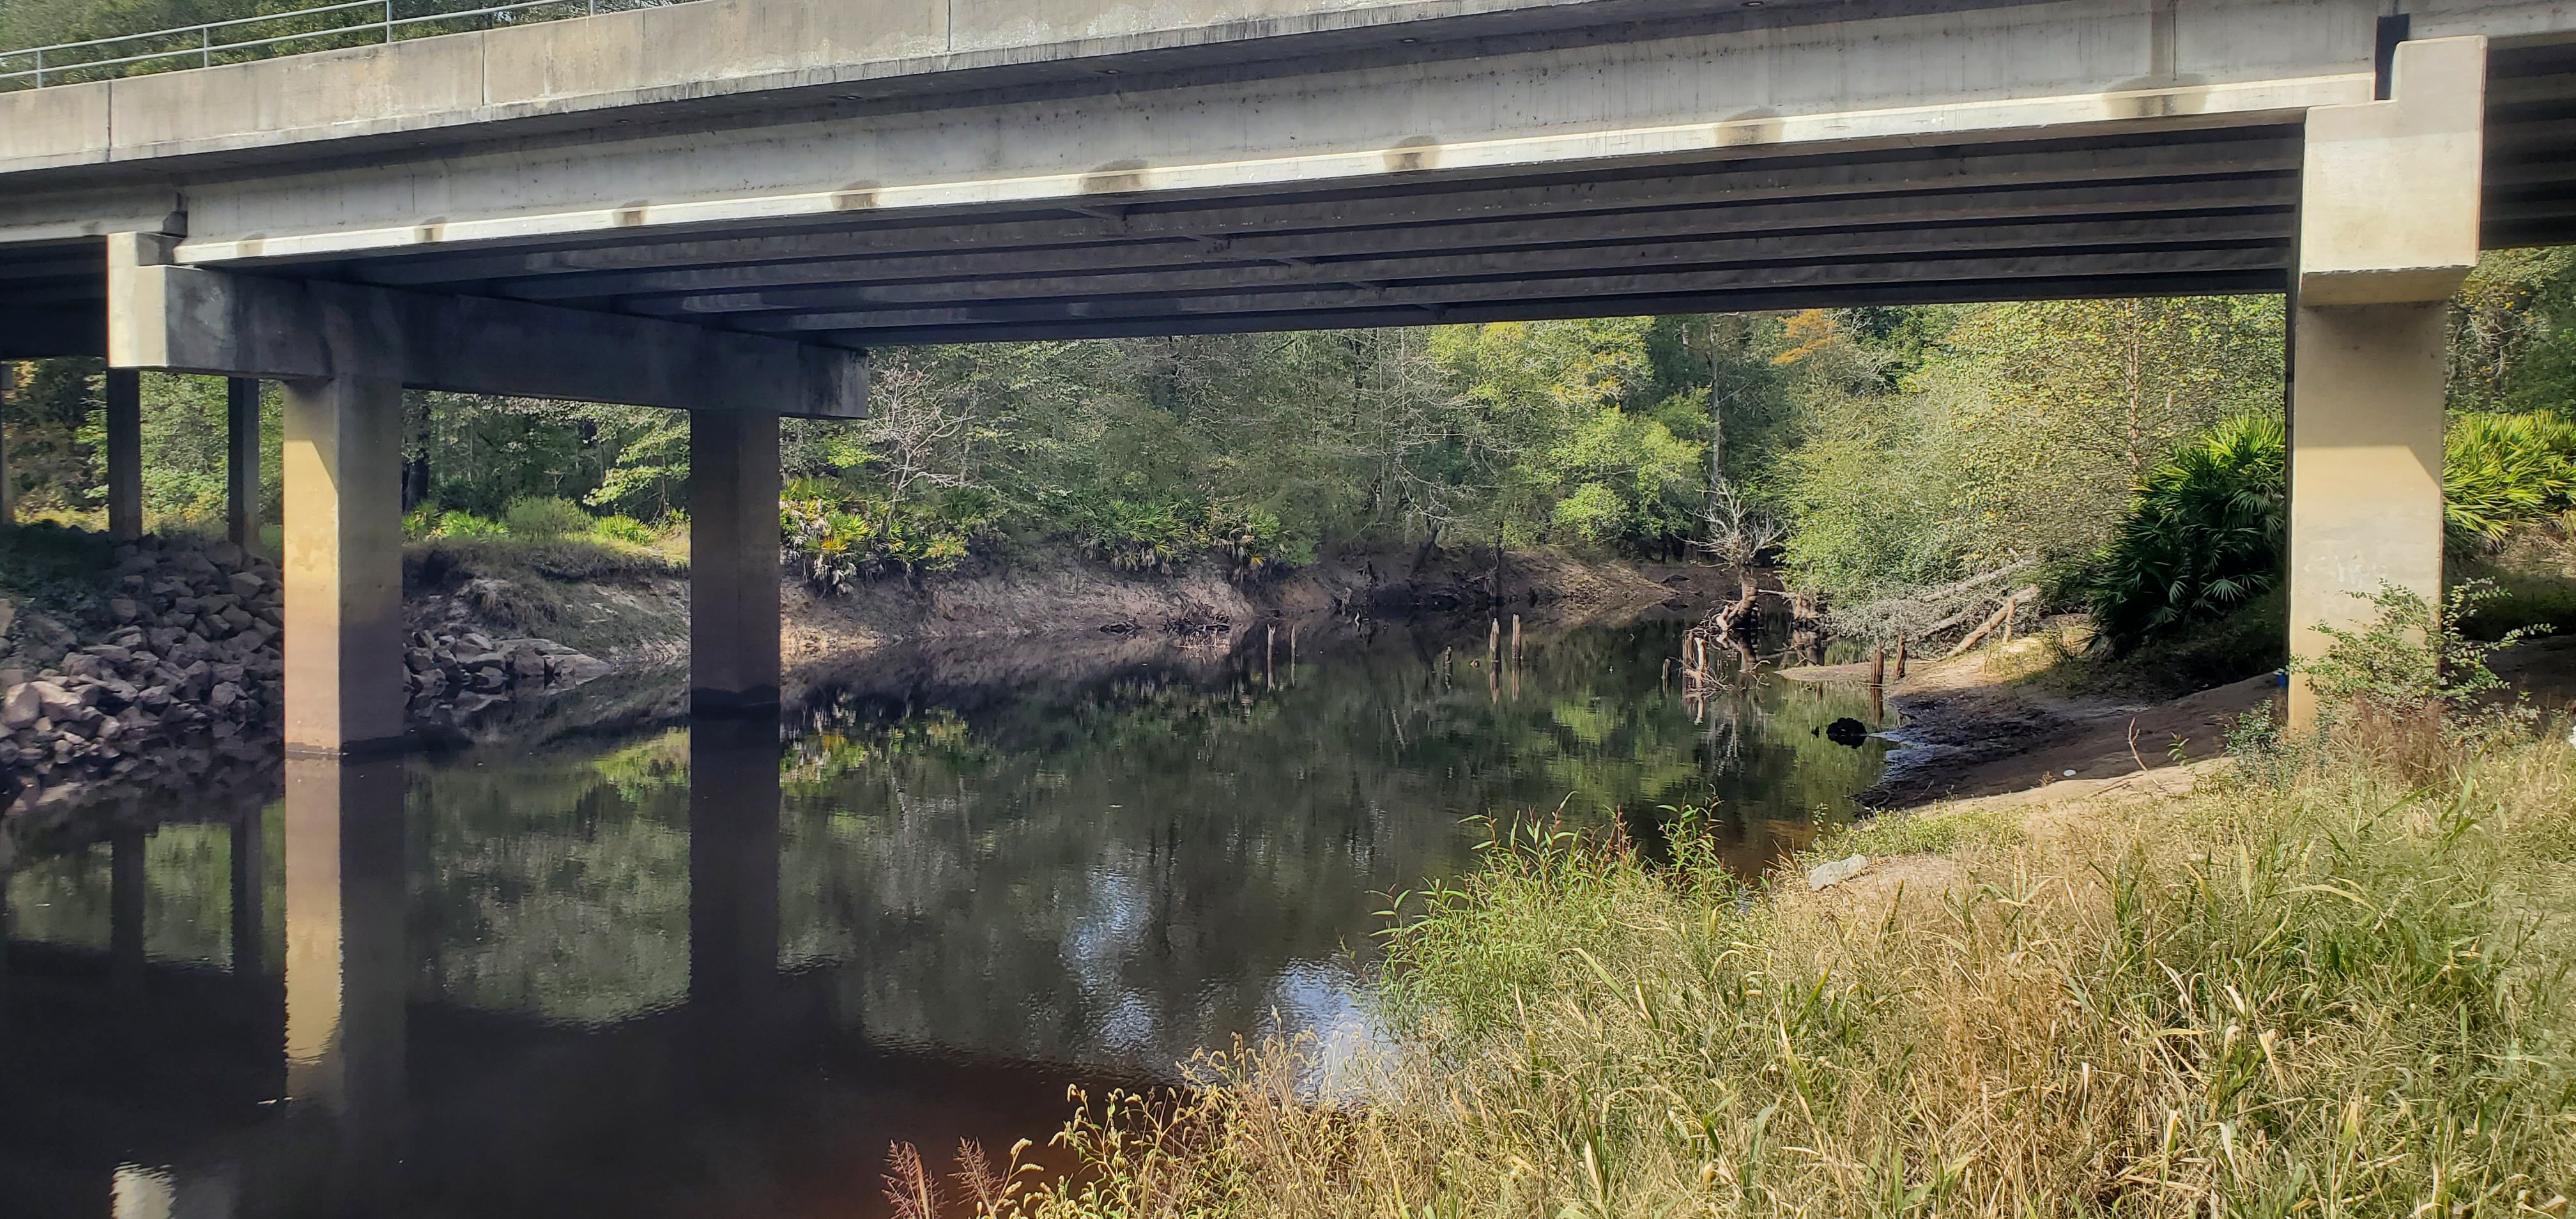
x: 124, y: 454
x: 2388, y: 229
x: 241, y: 460
x: 343, y: 565
x: 8, y: 483
x: 733, y: 562
x: 347, y: 962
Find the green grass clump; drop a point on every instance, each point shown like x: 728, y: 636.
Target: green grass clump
x: 2337, y: 994
x: 626, y: 530
x: 544, y: 518
x: 1935, y: 830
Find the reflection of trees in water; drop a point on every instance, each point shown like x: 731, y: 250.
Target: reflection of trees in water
x: 556, y: 884
x: 1111, y: 871
x: 1123, y: 872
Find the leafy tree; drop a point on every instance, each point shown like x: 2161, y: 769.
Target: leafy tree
x: 2513, y: 333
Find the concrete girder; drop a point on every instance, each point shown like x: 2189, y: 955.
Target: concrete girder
x: 1243, y: 138
x: 1946, y: 292
x: 188, y: 319
x: 1441, y: 298
x: 2278, y: 195
x: 1489, y: 267
x: 2193, y: 154
x: 42, y: 333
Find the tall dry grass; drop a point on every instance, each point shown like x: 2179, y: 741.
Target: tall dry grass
x: 2335, y: 993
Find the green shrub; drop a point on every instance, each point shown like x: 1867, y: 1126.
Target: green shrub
x: 465, y: 525
x: 625, y: 529
x: 1159, y: 536
x: 2411, y: 657
x: 2204, y: 536
x: 836, y: 538
x: 2408, y: 690
x: 537, y: 517
x: 2501, y: 470
x: 420, y: 524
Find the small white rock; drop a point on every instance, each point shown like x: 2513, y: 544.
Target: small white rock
x: 1827, y: 875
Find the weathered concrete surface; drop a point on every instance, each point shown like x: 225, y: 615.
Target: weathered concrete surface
x: 733, y: 562
x: 1088, y: 168
x: 124, y: 393
x: 241, y: 461
x: 343, y: 568
x: 1733, y: 84
x: 193, y: 320
x: 2392, y: 188
x: 698, y: 56
x: 2391, y: 226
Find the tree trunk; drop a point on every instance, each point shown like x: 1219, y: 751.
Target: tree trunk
x: 415, y: 476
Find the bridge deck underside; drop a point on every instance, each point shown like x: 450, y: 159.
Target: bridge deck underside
x: 2158, y: 207
x: 2135, y: 213
x: 2531, y: 146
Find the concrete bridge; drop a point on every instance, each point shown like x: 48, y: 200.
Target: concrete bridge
x: 721, y: 206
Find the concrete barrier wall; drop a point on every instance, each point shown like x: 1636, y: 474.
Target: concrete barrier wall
x: 716, y: 47
x: 2025, y: 66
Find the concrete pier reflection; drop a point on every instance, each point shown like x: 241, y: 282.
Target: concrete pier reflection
x: 347, y: 964
x: 733, y: 900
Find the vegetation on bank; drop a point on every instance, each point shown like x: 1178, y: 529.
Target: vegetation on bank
x: 2098, y: 446
x: 2321, y: 986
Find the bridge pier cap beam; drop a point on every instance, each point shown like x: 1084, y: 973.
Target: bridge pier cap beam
x: 346, y: 352
x: 2388, y: 229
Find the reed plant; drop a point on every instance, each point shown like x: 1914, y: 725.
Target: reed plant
x: 2330, y: 990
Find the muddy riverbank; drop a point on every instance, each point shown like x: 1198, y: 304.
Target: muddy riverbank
x: 1985, y: 723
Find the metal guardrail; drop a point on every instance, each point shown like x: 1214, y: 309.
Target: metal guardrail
x: 354, y: 23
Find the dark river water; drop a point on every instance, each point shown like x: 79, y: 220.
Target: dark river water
x: 717, y: 970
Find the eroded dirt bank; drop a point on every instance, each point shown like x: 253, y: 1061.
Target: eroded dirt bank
x: 1976, y: 726
x: 1061, y: 596
x: 502, y: 632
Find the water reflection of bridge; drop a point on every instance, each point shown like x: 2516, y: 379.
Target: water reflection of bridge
x: 142, y: 1087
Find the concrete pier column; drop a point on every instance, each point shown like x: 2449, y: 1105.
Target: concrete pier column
x: 124, y: 454
x: 241, y: 460
x: 343, y: 565
x: 2388, y: 229
x: 347, y: 962
x: 8, y: 484
x: 733, y: 562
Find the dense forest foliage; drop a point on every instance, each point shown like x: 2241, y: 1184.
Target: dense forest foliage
x: 1870, y: 451
x: 1873, y: 452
